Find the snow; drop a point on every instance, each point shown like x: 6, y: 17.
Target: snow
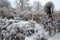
x: 26, y: 27
x: 55, y: 37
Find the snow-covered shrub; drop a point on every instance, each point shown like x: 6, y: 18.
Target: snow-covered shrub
x: 25, y: 15
x: 58, y: 25
x: 23, y: 29
x: 49, y: 25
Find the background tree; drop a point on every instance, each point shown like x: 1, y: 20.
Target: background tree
x: 37, y: 5
x: 4, y: 3
x: 22, y: 3
x: 49, y: 8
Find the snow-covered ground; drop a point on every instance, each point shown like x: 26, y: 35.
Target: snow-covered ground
x: 39, y: 31
x: 25, y: 30
x: 55, y: 37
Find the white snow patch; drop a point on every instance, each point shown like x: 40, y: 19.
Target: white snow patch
x: 56, y: 37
